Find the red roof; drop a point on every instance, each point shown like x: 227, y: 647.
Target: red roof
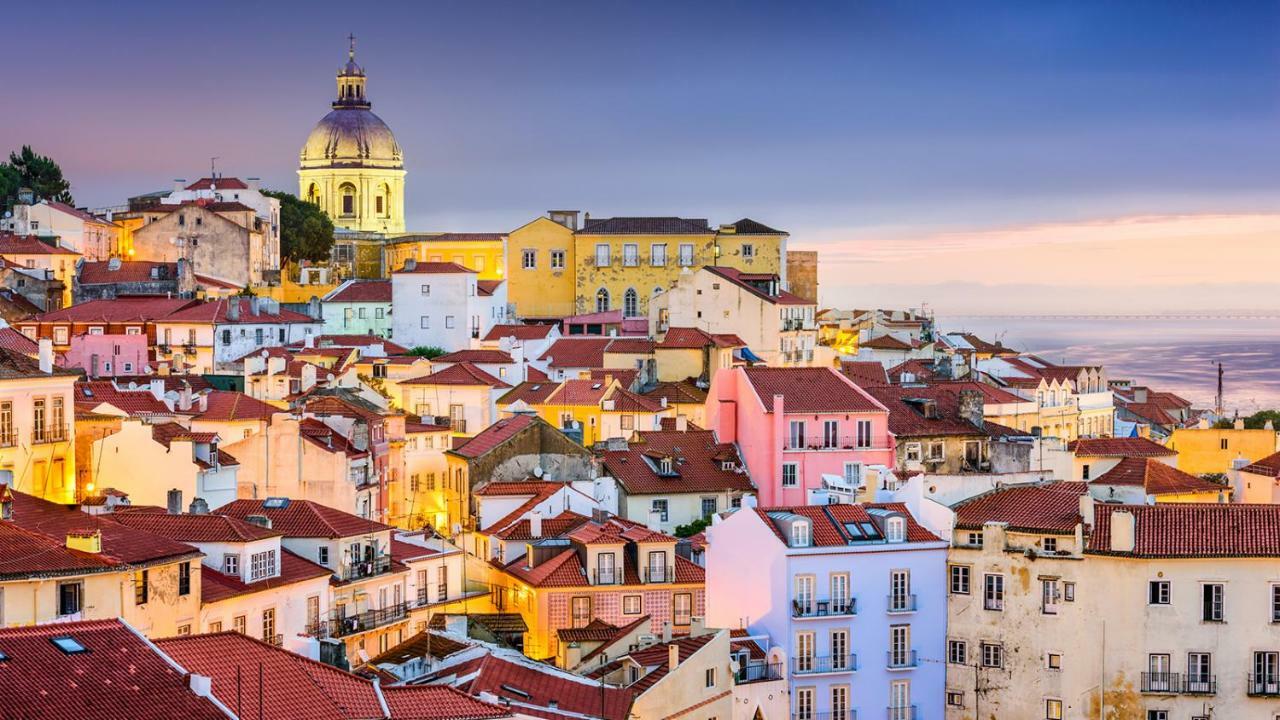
x: 519, y: 332
x: 697, y: 464
x: 579, y: 392
x: 119, y: 310
x: 463, y: 373
x: 809, y: 390
x: 1156, y: 477
x: 576, y: 352
x: 522, y: 530
x: 1151, y: 412
x: 829, y: 522
x: 493, y: 436
x: 216, y: 586
x: 435, y: 268
x: 487, y: 287
x: 359, y: 341
x: 1119, y: 447
x: 655, y: 658
x: 1050, y: 508
x: 217, y: 311
x: 99, y: 273
x: 884, y: 342
x: 1192, y: 530
x: 543, y: 692
x: 195, y: 528
x: 908, y: 406
x: 11, y: 244
x: 228, y: 406
x: 214, y: 206
x: 864, y: 374
x: 24, y: 553
x: 491, y: 357
x: 1268, y: 466
x: 739, y: 278
x: 920, y: 369
x: 378, y: 291
x: 437, y: 702
x: 682, y: 392
x: 323, y: 436
x: 91, y: 394
x: 532, y: 393
x: 221, y: 183
x: 120, y: 675
x: 630, y: 346
x: 305, y: 519
x: 691, y: 338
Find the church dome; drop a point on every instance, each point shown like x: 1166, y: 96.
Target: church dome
x: 351, y: 137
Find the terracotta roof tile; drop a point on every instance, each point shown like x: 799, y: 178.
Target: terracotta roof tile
x: 1268, y: 466
x: 864, y: 374
x: 91, y: 394
x: 217, y: 312
x: 1049, y: 508
x: 216, y: 586
x: 576, y: 353
x: 494, y: 435
x: 531, y: 393
x: 463, y: 373
x: 195, y: 528
x: 747, y: 226
x: 228, y: 406
x: 682, y: 393
x: 742, y: 280
x: 437, y: 702
x: 434, y: 268
x: 646, y: 226
x: 519, y: 332
x: 535, y: 690
x: 488, y: 357
x: 220, y: 183
x: 11, y: 244
x: 1192, y: 530
x: 809, y: 390
x: 1156, y: 477
x: 305, y: 519
x: 372, y: 291
x: 359, y: 341
x: 697, y: 464
x: 692, y: 338
x: 119, y: 310
x: 578, y: 393
x: 102, y: 273
x: 829, y: 522
x: 1119, y: 447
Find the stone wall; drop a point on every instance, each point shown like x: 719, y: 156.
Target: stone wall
x: 802, y: 273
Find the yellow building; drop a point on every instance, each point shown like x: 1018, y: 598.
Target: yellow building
x: 351, y: 165
x: 483, y: 252
x: 28, y: 251
x: 1213, y: 450
x: 620, y: 263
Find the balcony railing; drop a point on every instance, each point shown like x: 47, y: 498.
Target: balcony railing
x: 904, y: 712
x: 813, y: 665
x: 1160, y: 682
x: 821, y: 442
x: 658, y: 574
x: 901, y: 660
x: 840, y: 607
x: 826, y: 715
x: 902, y: 603
x: 366, y: 568
x: 49, y: 434
x: 1199, y: 684
x: 758, y: 673
x: 605, y: 576
x: 8, y: 437
x: 1264, y: 685
x: 339, y: 626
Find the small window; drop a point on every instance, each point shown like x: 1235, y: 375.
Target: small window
x: 711, y: 677
x: 955, y: 698
x: 426, y: 289
x: 557, y: 259
x: 790, y: 474
x: 529, y: 259
x: 322, y: 555
x: 957, y: 652
x: 1053, y: 661
x: 425, y: 322
x: 631, y: 604
x: 231, y: 564
x: 1084, y: 472
x: 1053, y: 709
x: 1212, y: 609
x: 1159, y: 592
x: 992, y: 655
x: 800, y: 534
x: 68, y: 644
x: 1050, y: 544
x: 960, y: 579
x: 1069, y: 591
x: 896, y: 529
x: 1223, y: 444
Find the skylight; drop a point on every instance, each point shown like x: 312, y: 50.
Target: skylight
x: 68, y: 645
x: 275, y: 503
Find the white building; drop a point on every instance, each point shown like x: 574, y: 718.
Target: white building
x: 442, y: 304
x: 213, y: 335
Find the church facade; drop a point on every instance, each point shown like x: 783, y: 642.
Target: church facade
x: 351, y: 165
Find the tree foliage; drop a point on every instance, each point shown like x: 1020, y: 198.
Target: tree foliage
x: 306, y: 233
x: 28, y: 169
x: 426, y: 351
x: 1256, y: 421
x: 693, y: 528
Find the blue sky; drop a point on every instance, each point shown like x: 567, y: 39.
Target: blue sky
x: 851, y: 124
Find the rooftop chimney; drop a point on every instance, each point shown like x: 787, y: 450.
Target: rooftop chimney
x: 1086, y: 509
x: 6, y: 502
x: 46, y: 355
x: 666, y: 631
x: 971, y: 407
x: 179, y: 185
x: 174, y: 505
x: 89, y: 541
x: 673, y: 656
x: 1123, y: 531
x: 1238, y: 424
x: 199, y: 506
x: 233, y: 309
x: 535, y: 524
x: 682, y: 423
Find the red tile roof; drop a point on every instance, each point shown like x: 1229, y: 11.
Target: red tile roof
x: 628, y: 402
x: 532, y: 393
x: 1119, y: 447
x: 463, y: 373
x: 920, y: 369
x: 26, y: 553
x: 359, y: 341
x: 682, y: 393
x: 692, y: 338
x: 697, y: 464
x: 228, y: 406
x: 740, y: 279
x: 195, y: 528
x: 1192, y: 530
x: 578, y: 393
x: 655, y: 658
x: 11, y: 244
x: 1156, y: 477
x: 1051, y: 509
x: 809, y: 390
x: 305, y: 519
x: 487, y: 287
x: 630, y: 346
x: 519, y: 332
x: 543, y: 692
x: 99, y: 273
x: 437, y: 702
x: 828, y: 521
x: 91, y: 394
x: 864, y: 374
x: 435, y: 268
x: 595, y: 631
x: 214, y: 206
x: 376, y: 291
x: 646, y: 226
x: 323, y: 436
x: 292, y: 686
x: 885, y: 342
x: 1268, y: 466
x: 119, y: 543
x: 475, y: 356
x: 220, y: 183
x: 120, y: 676
x: 119, y: 310
x: 576, y: 353
x: 216, y: 586
x: 216, y: 311
x: 1151, y: 412
x: 557, y: 526
x: 907, y: 411
x: 78, y: 213
x: 493, y: 436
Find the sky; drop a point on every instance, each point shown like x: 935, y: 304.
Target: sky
x: 976, y: 156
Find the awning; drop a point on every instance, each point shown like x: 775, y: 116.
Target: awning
x: 744, y: 354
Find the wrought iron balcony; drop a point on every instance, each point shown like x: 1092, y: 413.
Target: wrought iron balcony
x: 8, y: 437
x: 902, y: 712
x: 1199, y: 684
x: 49, y: 434
x: 827, y: 715
x: 758, y: 673
x: 606, y: 576
x: 904, y: 660
x: 817, y: 664
x: 820, y: 442
x: 1159, y: 683
x: 366, y: 568
x: 658, y: 574
x: 840, y: 607
x: 340, y: 626
x: 902, y: 603
x: 1264, y: 685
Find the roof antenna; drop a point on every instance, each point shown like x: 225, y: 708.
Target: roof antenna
x: 213, y: 167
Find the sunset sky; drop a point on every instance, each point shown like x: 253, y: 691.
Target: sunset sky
x: 1046, y: 155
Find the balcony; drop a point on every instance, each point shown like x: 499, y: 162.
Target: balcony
x: 49, y: 434
x: 658, y: 574
x: 1160, y: 683
x: 901, y: 603
x: 829, y: 715
x: 758, y: 673
x: 1200, y: 685
x: 821, y: 442
x: 338, y: 626
x: 902, y: 712
x: 840, y: 607
x: 817, y: 665
x: 904, y: 660
x: 606, y: 576
x: 189, y: 349
x: 8, y: 437
x: 1264, y: 685
x: 366, y: 568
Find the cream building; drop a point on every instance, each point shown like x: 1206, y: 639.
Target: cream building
x: 351, y: 165
x: 1063, y: 608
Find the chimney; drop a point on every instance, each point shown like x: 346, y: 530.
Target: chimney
x: 313, y: 308
x: 255, y: 305
x: 89, y: 541
x: 1140, y: 394
x: 179, y: 185
x: 1240, y: 463
x: 233, y: 309
x: 666, y: 631
x: 682, y: 423
x: 46, y: 355
x: 455, y: 624
x: 535, y: 524
x: 201, y: 685
x: 199, y: 506
x: 1237, y: 424
x: 410, y: 265
x: 6, y: 502
x: 971, y: 407
x: 259, y: 520
x: 252, y: 183
x: 1086, y: 509
x: 1123, y: 531
x: 184, y: 397
x: 204, y: 403
x: 175, y: 502
x: 673, y: 655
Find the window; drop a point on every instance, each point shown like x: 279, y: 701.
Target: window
x: 800, y: 534
x: 804, y: 700
x: 711, y: 677
x: 709, y: 506
x: 660, y: 506
x: 839, y: 703
x: 937, y: 452
x: 425, y: 322
x: 864, y: 433
x: 269, y: 625
x: 686, y: 254
x: 630, y: 255
x: 957, y: 652
x: 580, y: 610
x: 975, y: 539
x: 1053, y: 709
x: 992, y: 655
x: 804, y: 652
x: 448, y: 322
x: 1157, y: 715
x: 1053, y: 661
x: 322, y: 555
x: 602, y: 300
x: 1223, y: 444
x: 60, y: 335
x: 426, y: 290
x: 895, y: 529
x: 955, y: 698
x: 630, y: 303
x: 682, y: 608
x: 1199, y: 672
x: 658, y: 254
x: 238, y: 624
x: 830, y: 434
x: 1158, y: 592
x: 1275, y: 603
x: 1069, y: 591
x: 802, y: 601
x: 960, y: 579
x: 557, y: 259
x: 70, y: 597
x: 1049, y: 544
x: 529, y: 259
x: 993, y: 592
x: 796, y: 436
x: 1049, y: 596
x: 840, y: 594
x: 1084, y: 472
x: 231, y: 564
x: 141, y: 587
x: 1266, y: 674
x: 900, y: 646
x: 184, y: 578
x: 1212, y: 608
x: 602, y: 255
x: 913, y: 452
x: 631, y: 604
x: 748, y: 250
x: 790, y: 472
x: 262, y: 565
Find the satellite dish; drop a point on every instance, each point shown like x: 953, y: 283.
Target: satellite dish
x: 537, y: 471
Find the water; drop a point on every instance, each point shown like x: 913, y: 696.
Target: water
x: 1174, y: 354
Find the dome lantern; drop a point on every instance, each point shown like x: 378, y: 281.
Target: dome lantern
x: 351, y: 82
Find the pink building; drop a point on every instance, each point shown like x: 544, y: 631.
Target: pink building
x: 107, y: 355
x: 794, y: 425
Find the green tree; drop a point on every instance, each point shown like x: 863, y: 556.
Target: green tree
x: 10, y: 181
x: 426, y: 351
x: 693, y: 528
x: 306, y: 233
x: 41, y: 174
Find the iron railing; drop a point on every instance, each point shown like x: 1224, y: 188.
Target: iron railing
x: 49, y: 434
x: 814, y: 664
x: 902, y: 603
x: 901, y: 712
x: 8, y: 437
x: 658, y: 574
x: 758, y: 673
x: 901, y: 660
x: 605, y: 576
x: 1199, y: 684
x: 822, y: 442
x: 1264, y: 685
x: 824, y: 608
x: 366, y: 568
x: 342, y: 626
x: 1160, y: 682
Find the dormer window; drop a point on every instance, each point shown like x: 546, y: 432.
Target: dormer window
x: 895, y: 529
x: 728, y: 466
x: 666, y: 466
x: 800, y: 534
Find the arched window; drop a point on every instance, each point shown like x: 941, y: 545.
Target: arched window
x: 630, y: 303
x: 313, y: 194
x: 348, y: 194
x: 602, y: 300
x: 382, y: 203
